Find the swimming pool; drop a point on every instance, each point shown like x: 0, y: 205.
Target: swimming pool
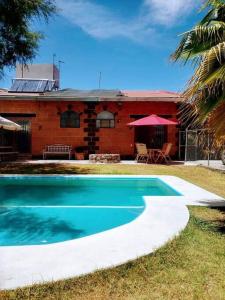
x: 38, y: 210
x: 162, y: 218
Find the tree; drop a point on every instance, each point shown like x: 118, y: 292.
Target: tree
x: 204, y: 46
x: 18, y: 43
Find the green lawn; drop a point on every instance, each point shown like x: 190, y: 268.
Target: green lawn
x: 192, y: 266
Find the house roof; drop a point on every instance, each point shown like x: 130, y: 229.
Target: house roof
x: 94, y: 95
x: 85, y: 93
x: 147, y: 93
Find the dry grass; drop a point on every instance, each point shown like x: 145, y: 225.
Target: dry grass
x: 192, y: 266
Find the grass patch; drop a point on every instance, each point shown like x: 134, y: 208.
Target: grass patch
x: 191, y: 266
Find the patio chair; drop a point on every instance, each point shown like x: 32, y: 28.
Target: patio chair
x: 142, y: 153
x: 164, y: 154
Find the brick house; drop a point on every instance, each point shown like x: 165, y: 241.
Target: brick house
x: 96, y: 120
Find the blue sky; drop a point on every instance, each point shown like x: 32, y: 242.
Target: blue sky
x: 128, y: 41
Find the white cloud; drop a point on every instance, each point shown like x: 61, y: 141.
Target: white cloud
x: 168, y: 12
x: 98, y: 21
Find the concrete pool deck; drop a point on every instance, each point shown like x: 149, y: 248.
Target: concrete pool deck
x: 163, y: 219
x: 80, y: 162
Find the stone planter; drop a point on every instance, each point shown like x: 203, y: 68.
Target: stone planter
x: 104, y: 158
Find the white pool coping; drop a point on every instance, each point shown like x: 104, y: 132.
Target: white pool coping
x: 163, y: 219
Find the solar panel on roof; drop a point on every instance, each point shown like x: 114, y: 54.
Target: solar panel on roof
x: 32, y: 86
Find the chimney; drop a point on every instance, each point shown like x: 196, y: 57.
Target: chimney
x: 39, y: 71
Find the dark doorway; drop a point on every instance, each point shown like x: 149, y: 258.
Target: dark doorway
x: 153, y: 136
x: 6, y: 137
x: 23, y: 137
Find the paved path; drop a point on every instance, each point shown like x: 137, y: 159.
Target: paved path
x: 213, y: 164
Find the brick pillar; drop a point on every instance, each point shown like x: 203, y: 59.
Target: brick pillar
x: 90, y: 128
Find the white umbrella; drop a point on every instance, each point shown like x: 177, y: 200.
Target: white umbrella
x: 9, y: 125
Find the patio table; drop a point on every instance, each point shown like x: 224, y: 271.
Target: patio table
x: 152, y: 154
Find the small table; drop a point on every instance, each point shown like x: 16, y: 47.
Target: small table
x: 104, y: 158
x: 152, y: 154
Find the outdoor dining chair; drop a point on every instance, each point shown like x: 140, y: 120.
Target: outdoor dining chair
x: 142, y: 153
x: 164, y: 154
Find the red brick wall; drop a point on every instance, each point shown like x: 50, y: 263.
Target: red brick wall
x: 121, y: 138
x: 45, y: 127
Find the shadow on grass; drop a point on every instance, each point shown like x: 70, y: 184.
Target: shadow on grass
x: 217, y: 225
x: 42, y: 169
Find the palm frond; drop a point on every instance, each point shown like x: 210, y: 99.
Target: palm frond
x: 216, y: 11
x: 205, y: 45
x: 211, y: 67
x: 196, y: 42
x: 216, y: 120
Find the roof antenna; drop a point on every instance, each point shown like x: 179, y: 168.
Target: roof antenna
x: 99, y: 80
x: 59, y: 66
x: 22, y: 67
x: 53, y: 58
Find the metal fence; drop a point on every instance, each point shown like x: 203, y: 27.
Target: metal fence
x: 199, y: 144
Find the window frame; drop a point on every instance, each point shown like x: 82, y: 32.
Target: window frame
x: 69, y: 121
x: 100, y: 120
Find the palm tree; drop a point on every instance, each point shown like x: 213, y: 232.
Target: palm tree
x: 204, y: 46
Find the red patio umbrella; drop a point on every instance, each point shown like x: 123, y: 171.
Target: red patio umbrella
x: 152, y: 120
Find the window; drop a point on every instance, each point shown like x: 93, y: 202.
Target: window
x: 70, y: 119
x: 105, y: 119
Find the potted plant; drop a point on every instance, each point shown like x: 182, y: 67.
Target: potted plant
x: 79, y: 152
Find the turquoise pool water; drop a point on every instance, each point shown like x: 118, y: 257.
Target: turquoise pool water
x: 43, y: 210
